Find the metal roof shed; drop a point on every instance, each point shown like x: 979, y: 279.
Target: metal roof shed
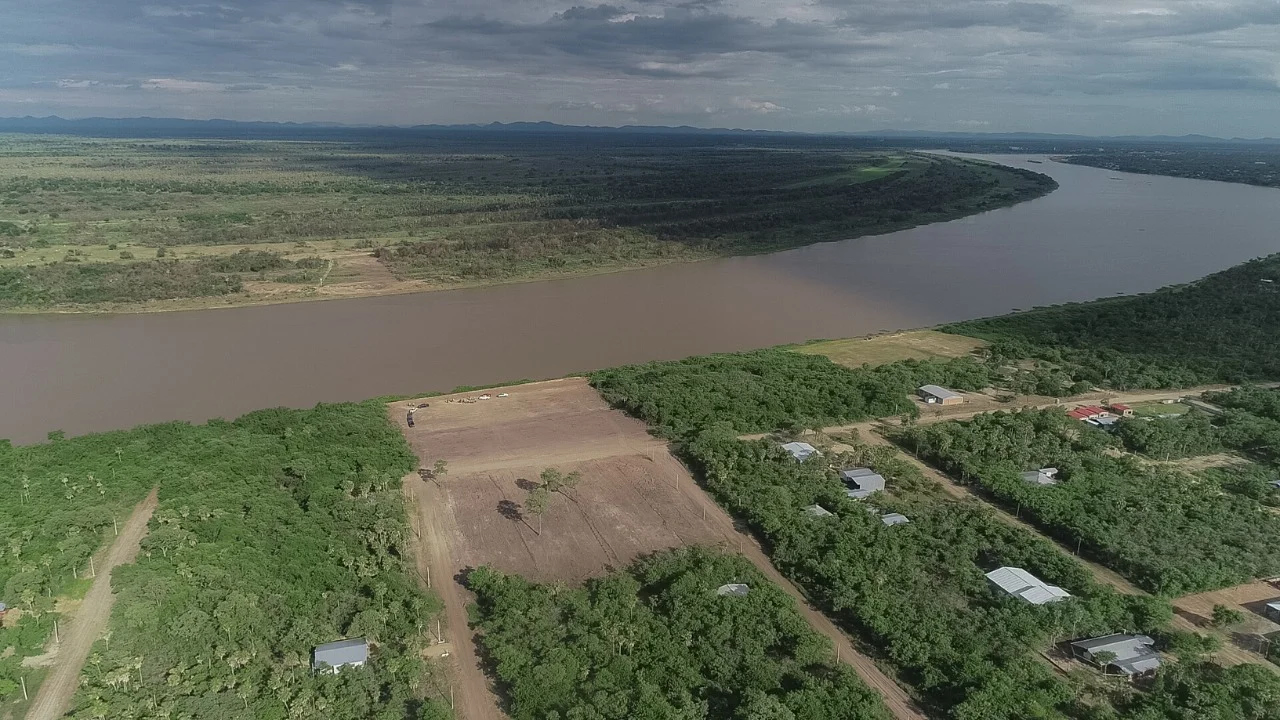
x: 733, y: 589
x: 1043, y: 476
x: 1130, y: 654
x: 861, y: 482
x: 800, y: 451
x: 1027, y: 587
x: 336, y: 655
x: 895, y: 519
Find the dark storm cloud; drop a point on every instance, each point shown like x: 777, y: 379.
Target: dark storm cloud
x: 804, y: 64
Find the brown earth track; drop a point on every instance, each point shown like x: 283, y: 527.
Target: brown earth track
x: 78, y: 636
x: 634, y: 499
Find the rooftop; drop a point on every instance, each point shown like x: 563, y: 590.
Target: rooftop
x: 1023, y: 585
x: 861, y: 482
x: 817, y: 511
x: 733, y: 589
x: 800, y: 451
x: 342, y: 652
x: 895, y: 519
x: 1043, y: 476
x: 1133, y: 654
x: 939, y: 392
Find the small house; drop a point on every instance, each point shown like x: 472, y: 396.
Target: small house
x: 1272, y: 610
x: 1121, y: 410
x: 938, y: 395
x: 1021, y: 584
x: 733, y: 590
x: 816, y: 510
x: 800, y: 451
x: 861, y: 482
x: 332, y: 657
x: 892, y: 519
x: 1128, y: 655
x: 1043, y: 476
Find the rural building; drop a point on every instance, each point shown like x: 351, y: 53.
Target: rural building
x: 1127, y: 655
x: 1023, y: 585
x: 894, y: 519
x: 1043, y: 476
x: 1106, y: 422
x: 800, y: 451
x: 1121, y: 410
x: 861, y: 482
x: 733, y: 589
x: 1272, y: 611
x: 332, y: 657
x: 938, y: 395
x: 1087, y: 412
x: 817, y: 511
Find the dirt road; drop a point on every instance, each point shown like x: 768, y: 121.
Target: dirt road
x: 473, y: 697
x: 54, y: 698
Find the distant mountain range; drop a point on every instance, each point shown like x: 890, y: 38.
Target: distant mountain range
x: 178, y: 127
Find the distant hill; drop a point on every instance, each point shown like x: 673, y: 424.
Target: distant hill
x: 217, y: 128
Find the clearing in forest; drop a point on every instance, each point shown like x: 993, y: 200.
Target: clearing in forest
x: 883, y: 349
x: 634, y: 498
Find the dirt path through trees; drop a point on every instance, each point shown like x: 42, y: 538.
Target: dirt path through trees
x: 473, y: 698
x: 54, y: 697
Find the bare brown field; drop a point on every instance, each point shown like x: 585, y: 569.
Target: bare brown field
x: 882, y: 349
x: 628, y: 504
x: 1242, y: 643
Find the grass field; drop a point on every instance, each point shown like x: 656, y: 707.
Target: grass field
x: 129, y: 224
x: 882, y: 349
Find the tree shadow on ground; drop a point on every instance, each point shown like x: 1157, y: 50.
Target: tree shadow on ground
x: 510, y: 510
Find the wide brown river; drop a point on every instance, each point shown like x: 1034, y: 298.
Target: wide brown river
x: 1100, y: 234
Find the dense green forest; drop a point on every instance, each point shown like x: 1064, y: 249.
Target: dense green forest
x: 1222, y: 328
x: 1168, y: 531
x: 1250, y: 164
x: 656, y: 642
x: 276, y: 532
x: 447, y: 210
x: 765, y: 390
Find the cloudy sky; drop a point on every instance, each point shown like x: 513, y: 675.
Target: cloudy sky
x: 1084, y: 66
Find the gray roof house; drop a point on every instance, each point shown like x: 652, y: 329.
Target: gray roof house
x: 894, y: 519
x: 1130, y: 654
x: 800, y: 451
x: 336, y: 655
x: 816, y: 510
x: 1023, y: 585
x: 861, y: 482
x: 939, y: 395
x: 1043, y: 476
x: 733, y: 589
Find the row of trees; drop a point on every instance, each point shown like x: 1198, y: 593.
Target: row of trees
x: 769, y: 389
x: 656, y: 642
x: 277, y: 532
x: 1168, y: 531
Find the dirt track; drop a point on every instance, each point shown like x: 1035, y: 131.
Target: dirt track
x: 54, y: 697
x: 634, y: 498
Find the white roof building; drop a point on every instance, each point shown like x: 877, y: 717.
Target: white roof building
x: 800, y: 451
x: 334, y: 656
x: 1043, y: 476
x: 894, y: 519
x: 1129, y: 654
x: 861, y: 482
x: 733, y: 589
x: 1027, y: 587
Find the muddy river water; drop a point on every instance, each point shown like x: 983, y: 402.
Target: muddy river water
x: 1099, y: 234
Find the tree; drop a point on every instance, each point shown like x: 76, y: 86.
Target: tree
x: 1225, y: 616
x: 538, y: 501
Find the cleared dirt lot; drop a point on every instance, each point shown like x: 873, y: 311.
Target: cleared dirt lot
x: 634, y: 498
x: 629, y: 502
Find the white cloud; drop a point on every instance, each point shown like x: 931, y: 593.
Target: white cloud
x: 763, y: 107
x: 182, y: 86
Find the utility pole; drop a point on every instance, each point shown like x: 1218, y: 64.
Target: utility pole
x: 24, y: 688
x: 115, y: 528
x: 439, y: 633
x: 428, y: 577
x: 56, y: 637
x: 94, y: 573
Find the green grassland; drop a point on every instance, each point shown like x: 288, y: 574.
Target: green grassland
x: 127, y: 224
